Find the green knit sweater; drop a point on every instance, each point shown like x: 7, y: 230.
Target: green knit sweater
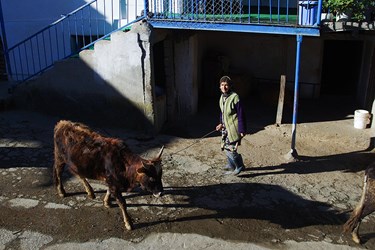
x: 230, y: 116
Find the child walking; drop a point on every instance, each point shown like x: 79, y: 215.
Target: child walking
x: 232, y: 125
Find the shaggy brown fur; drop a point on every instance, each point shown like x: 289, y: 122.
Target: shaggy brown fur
x: 89, y: 155
x: 365, y: 206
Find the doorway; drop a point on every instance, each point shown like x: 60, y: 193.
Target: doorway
x: 341, y: 67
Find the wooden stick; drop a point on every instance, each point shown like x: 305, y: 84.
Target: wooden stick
x: 280, y: 105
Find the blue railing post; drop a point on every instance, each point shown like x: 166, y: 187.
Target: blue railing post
x: 293, y: 150
x: 5, y: 43
x: 145, y: 14
x: 319, y: 14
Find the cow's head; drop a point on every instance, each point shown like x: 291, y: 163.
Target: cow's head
x: 149, y: 175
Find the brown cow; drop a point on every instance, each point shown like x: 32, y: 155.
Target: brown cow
x: 365, y: 206
x: 88, y: 155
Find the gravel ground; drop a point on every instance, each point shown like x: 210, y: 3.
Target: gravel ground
x: 276, y: 203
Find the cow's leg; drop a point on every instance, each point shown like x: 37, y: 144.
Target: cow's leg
x: 88, y: 188
x: 122, y: 204
x: 355, y: 235
x: 58, y: 168
x: 106, y: 199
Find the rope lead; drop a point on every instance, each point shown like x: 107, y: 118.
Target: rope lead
x: 198, y: 140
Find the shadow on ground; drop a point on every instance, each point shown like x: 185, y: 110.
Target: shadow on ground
x: 348, y: 162
x: 270, y: 203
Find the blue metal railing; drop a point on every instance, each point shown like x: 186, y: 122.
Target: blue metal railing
x: 98, y: 19
x: 265, y: 12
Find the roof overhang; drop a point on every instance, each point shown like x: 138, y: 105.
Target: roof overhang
x: 230, y: 27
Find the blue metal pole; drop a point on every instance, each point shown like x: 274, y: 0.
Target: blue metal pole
x: 319, y: 12
x: 4, y: 40
x: 296, y: 89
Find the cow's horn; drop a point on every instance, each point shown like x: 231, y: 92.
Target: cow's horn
x: 160, y: 152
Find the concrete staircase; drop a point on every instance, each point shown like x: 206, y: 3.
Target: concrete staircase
x: 111, y: 83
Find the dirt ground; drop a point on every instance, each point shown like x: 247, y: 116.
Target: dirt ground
x: 273, y: 201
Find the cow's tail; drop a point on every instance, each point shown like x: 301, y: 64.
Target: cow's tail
x: 54, y: 173
x: 55, y: 151
x: 356, y: 215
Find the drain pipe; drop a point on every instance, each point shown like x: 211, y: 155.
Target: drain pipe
x: 292, y: 155
x: 5, y: 43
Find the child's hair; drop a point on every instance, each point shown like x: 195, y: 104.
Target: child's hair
x: 226, y: 79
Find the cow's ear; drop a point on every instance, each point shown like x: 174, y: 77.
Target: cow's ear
x: 141, y: 170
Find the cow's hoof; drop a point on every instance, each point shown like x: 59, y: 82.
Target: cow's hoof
x: 107, y: 204
x: 356, y: 238
x: 128, y: 226
x: 91, y: 196
x: 61, y: 194
x: 158, y: 194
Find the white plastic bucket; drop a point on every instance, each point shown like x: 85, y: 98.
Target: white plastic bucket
x: 361, y: 118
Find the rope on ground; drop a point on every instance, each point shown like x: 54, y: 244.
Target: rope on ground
x: 197, y: 141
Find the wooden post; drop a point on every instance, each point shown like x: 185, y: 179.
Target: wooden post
x: 280, y: 105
